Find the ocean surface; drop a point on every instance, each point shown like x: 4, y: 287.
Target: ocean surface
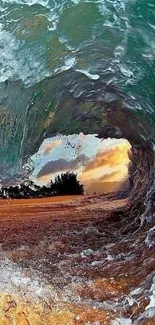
x: 87, y: 66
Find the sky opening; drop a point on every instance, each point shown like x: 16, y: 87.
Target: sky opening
x: 101, y: 165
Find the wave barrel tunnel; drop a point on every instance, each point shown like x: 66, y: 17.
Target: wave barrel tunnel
x: 77, y: 162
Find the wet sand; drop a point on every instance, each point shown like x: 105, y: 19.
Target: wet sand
x: 69, y: 260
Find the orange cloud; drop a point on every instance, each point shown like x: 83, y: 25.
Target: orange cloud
x: 112, y: 158
x: 111, y: 177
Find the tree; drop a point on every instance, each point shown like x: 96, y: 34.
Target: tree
x: 67, y: 184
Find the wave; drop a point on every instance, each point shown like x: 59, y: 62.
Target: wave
x: 87, y: 67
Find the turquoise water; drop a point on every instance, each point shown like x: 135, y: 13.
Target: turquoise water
x: 63, y: 64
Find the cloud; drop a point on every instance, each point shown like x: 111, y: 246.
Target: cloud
x: 61, y: 165
x: 48, y: 146
x: 112, y: 157
x: 109, y: 177
x: 106, y: 183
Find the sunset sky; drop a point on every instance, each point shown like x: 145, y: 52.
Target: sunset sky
x: 99, y: 164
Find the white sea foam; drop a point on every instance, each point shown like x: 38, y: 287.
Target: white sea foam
x: 29, y: 2
x: 150, y: 238
x: 18, y: 62
x: 88, y: 74
x: 69, y: 63
x: 122, y: 321
x: 13, y: 280
x: 152, y: 296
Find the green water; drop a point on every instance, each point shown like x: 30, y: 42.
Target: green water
x: 63, y: 63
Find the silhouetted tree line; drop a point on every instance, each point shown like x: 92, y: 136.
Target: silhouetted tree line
x: 65, y: 184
